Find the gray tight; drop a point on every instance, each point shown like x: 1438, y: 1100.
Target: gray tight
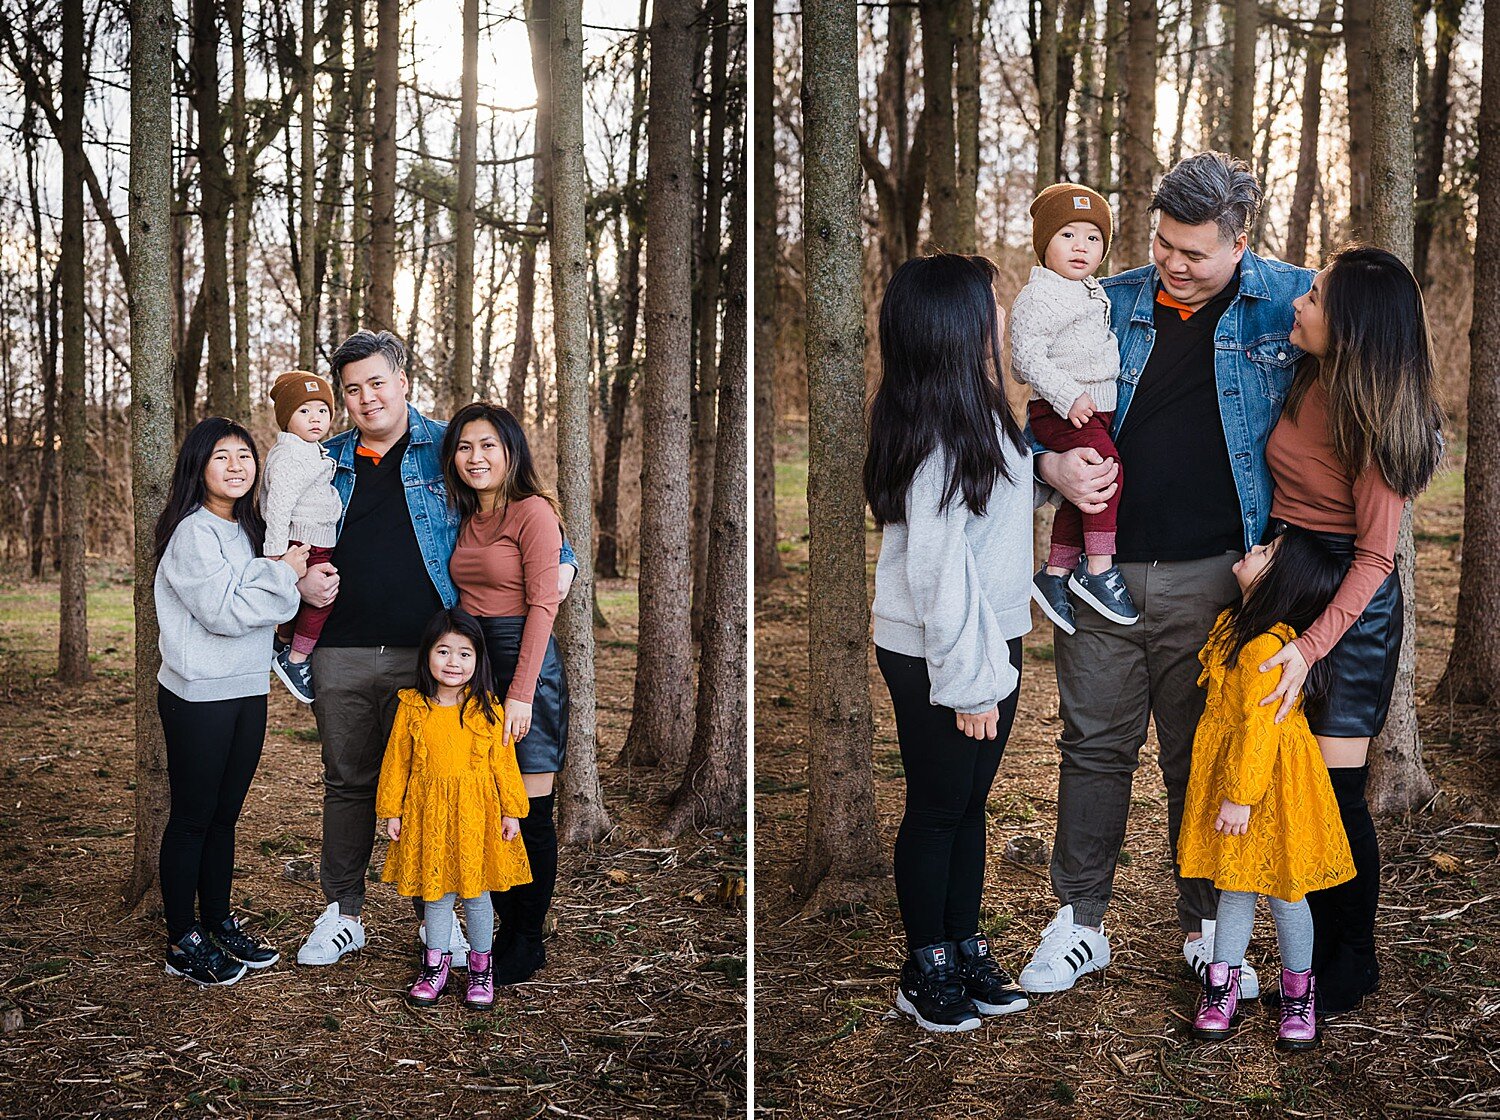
x: 478, y: 913
x: 1294, y: 929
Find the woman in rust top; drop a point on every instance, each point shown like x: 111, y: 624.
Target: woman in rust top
x: 505, y: 568
x: 1359, y: 436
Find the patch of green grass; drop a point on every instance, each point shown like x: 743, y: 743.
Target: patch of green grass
x: 769, y: 785
x: 791, y: 479
x: 620, y: 604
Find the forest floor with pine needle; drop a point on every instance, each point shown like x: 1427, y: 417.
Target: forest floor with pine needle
x: 829, y: 1044
x: 640, y: 1011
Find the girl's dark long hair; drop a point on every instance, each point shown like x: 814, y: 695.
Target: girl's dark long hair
x: 521, y: 479
x: 1378, y: 371
x: 188, y: 489
x: 481, y: 686
x: 939, y: 385
x: 1295, y: 588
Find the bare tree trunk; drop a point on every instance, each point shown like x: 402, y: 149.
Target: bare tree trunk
x: 1398, y: 778
x: 1138, y: 140
x: 525, y: 342
x: 705, y: 439
x: 768, y: 564
x: 151, y: 445
x: 1067, y: 61
x: 307, y: 210
x: 841, y: 842
x: 328, y: 250
x: 1359, y: 64
x: 937, y: 111
x: 712, y: 791
x: 1242, y: 86
x: 1086, y: 137
x: 971, y: 19
x: 46, y: 331
x: 1307, y: 155
x: 381, y: 314
x: 213, y: 178
x: 1045, y: 75
x: 243, y: 203
x: 661, y: 722
x: 900, y: 183
x: 359, y: 99
x: 463, y: 250
x: 1473, y: 673
x: 1187, y: 70
x: 1433, y: 114
x: 1114, y: 54
x: 73, y: 630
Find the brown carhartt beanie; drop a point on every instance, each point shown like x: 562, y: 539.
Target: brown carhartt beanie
x: 294, y: 389
x: 1062, y: 203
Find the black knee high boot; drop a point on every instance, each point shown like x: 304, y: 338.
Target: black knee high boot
x: 1348, y: 970
x: 530, y: 902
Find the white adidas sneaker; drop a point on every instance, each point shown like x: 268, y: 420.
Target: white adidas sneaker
x: 1067, y: 951
x: 458, y: 944
x: 1199, y: 954
x: 332, y: 936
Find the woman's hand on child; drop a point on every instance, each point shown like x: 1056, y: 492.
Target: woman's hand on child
x: 1293, y: 675
x: 295, y: 558
x: 517, y: 720
x: 981, y: 725
x: 510, y: 828
x: 393, y: 828
x: 1233, y: 820
x: 1082, y: 411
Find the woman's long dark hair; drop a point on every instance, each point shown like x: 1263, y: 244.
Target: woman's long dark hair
x: 1295, y: 588
x: 939, y: 385
x: 188, y: 490
x: 521, y: 479
x: 1378, y: 371
x: 481, y: 686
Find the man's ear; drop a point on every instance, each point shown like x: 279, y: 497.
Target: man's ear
x: 1241, y: 243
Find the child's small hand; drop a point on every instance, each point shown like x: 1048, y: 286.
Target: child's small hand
x: 295, y: 558
x: 510, y: 828
x: 1234, y: 820
x: 393, y: 828
x: 1082, y: 411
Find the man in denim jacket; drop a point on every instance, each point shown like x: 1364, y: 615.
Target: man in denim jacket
x: 388, y: 577
x: 1204, y: 367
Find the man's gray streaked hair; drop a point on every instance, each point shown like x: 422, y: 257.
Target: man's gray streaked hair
x: 1210, y: 187
x: 364, y: 344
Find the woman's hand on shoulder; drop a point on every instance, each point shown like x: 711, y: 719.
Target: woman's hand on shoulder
x: 980, y: 725
x: 1294, y: 669
x: 295, y: 558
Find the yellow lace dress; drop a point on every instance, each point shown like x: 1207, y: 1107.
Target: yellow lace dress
x: 1295, y: 841
x: 450, y: 785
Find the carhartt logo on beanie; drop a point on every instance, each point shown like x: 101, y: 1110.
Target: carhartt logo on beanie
x: 293, y: 390
x: 1061, y: 204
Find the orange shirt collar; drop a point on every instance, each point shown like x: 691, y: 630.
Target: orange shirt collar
x: 1164, y: 298
x: 361, y: 449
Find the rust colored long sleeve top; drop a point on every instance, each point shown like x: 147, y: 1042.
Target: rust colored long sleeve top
x: 1313, y: 490
x: 505, y: 566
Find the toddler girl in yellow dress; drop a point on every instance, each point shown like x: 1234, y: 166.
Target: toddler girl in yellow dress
x: 1260, y: 816
x: 453, y: 796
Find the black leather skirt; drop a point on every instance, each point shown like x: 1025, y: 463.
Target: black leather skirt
x: 543, y: 749
x: 1363, y: 663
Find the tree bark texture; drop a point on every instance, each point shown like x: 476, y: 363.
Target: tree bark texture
x: 661, y: 721
x: 1473, y: 673
x: 900, y: 182
x: 1242, y: 82
x: 152, y: 34
x: 1045, y: 73
x: 243, y: 203
x: 462, y: 390
x: 1433, y: 116
x: 1138, y: 165
x: 1067, y: 62
x: 970, y: 39
x: 1359, y: 64
x: 768, y: 564
x: 841, y: 839
x: 214, y: 187
x: 1109, y: 104
x: 537, y: 15
x: 1307, y: 154
x: 937, y: 84
x: 359, y: 187
x: 381, y: 313
x: 307, y: 210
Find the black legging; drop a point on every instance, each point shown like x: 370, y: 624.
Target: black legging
x: 1344, y: 916
x: 522, y: 911
x: 213, y: 748
x: 941, y: 845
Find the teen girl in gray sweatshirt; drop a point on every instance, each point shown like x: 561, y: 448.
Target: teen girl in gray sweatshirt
x: 217, y: 603
x: 948, y: 478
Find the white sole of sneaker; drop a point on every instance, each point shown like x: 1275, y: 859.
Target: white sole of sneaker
x: 286, y: 680
x: 205, y: 983
x: 1078, y: 589
x: 1057, y: 620
x: 906, y: 1007
x: 1001, y: 1008
x: 259, y: 964
x: 1049, y: 987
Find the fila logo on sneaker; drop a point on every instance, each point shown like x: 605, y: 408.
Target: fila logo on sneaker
x: 1081, y: 202
x: 982, y: 946
x: 939, y: 955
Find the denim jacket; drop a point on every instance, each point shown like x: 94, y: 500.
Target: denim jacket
x: 435, y: 521
x: 1253, y: 364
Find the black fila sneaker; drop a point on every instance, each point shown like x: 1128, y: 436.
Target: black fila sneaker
x: 985, y: 982
x: 931, y: 992
x: 198, y: 959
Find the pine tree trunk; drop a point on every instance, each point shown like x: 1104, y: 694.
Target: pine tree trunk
x: 328, y: 240
x: 1359, y: 64
x: 582, y: 818
x: 243, y: 203
x: 841, y: 843
x: 214, y: 189
x: 1243, y: 84
x: 307, y: 333
x: 73, y: 631
x: 937, y: 84
x: 899, y: 184
x: 359, y: 190
x: 1109, y: 109
x: 1307, y: 155
x: 1433, y: 114
x: 1473, y: 673
x: 381, y: 313
x: 525, y: 343
x: 971, y: 16
x: 768, y: 564
x: 462, y: 389
x: 1138, y: 165
x: 661, y: 722
x: 1067, y: 62
x: 151, y: 444
x: 712, y: 791
x: 1045, y: 75
x: 46, y: 318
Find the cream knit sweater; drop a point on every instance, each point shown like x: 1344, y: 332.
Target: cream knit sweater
x: 1060, y: 341
x: 300, y: 503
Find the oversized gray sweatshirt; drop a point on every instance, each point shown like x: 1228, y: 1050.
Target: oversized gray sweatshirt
x: 953, y: 588
x: 217, y: 604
